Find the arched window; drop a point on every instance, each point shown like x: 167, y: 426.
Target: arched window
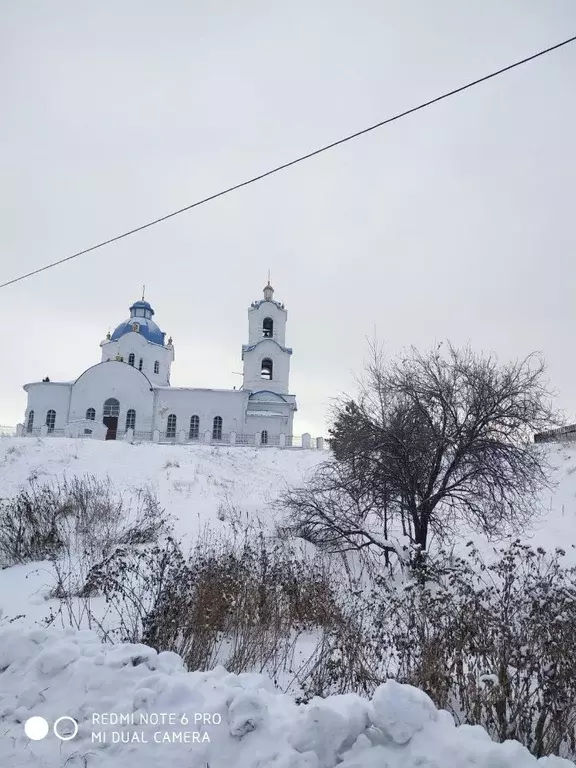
x: 51, y: 420
x: 156, y: 367
x: 268, y: 328
x: 194, y: 427
x: 140, y: 364
x: 264, y: 437
x: 217, y: 428
x: 130, y: 419
x: 266, y: 370
x: 111, y: 407
x: 91, y: 414
x: 30, y: 422
x: 171, y: 426
x: 131, y: 358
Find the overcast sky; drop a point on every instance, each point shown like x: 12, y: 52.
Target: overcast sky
x: 455, y: 223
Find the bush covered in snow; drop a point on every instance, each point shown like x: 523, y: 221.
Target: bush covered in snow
x: 239, y: 601
x: 239, y: 720
x: 494, y: 643
x: 81, y: 515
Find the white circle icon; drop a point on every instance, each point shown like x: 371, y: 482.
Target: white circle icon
x: 36, y: 728
x: 66, y: 736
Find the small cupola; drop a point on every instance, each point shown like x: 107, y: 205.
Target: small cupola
x: 141, y: 309
x: 268, y: 292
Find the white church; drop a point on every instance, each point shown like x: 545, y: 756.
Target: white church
x: 128, y: 393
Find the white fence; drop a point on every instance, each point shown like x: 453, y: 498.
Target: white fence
x: 305, y: 441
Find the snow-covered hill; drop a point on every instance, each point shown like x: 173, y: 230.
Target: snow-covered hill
x: 50, y: 673
x: 196, y: 484
x: 191, y: 481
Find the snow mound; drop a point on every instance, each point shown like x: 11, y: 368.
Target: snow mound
x: 136, y: 708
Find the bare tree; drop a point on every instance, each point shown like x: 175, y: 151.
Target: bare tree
x: 433, y: 440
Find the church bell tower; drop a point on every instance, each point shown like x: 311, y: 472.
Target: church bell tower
x: 266, y: 357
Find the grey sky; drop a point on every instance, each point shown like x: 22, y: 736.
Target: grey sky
x: 457, y: 222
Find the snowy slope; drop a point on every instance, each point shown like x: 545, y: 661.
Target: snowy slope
x: 190, y: 480
x: 240, y: 721
x: 193, y: 483
x: 51, y: 673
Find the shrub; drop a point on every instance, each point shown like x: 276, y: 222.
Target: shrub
x: 492, y: 643
x: 81, y: 517
x: 30, y: 526
x: 240, y: 603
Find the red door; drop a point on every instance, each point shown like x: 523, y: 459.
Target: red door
x: 112, y: 423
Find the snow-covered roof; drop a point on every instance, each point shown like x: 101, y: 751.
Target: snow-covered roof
x: 263, y: 413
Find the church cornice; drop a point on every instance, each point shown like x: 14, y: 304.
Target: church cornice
x: 250, y: 347
x: 258, y: 304
x: 140, y: 336
x: 275, y: 396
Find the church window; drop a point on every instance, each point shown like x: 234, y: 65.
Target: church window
x: 140, y: 364
x: 217, y: 428
x: 111, y: 407
x: 268, y: 328
x: 156, y: 367
x: 91, y: 414
x: 51, y: 420
x: 30, y: 423
x: 194, y: 428
x: 264, y: 437
x: 171, y: 427
x: 131, y: 419
x: 131, y: 358
x: 266, y: 370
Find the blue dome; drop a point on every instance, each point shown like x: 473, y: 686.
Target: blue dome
x: 141, y: 305
x: 140, y: 321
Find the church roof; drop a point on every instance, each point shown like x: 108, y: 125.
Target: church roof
x: 142, y: 305
x: 140, y: 320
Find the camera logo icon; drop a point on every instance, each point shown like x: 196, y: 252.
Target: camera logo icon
x: 37, y: 728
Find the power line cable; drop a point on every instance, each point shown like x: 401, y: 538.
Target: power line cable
x: 278, y: 168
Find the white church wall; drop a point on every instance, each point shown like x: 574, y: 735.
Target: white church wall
x: 275, y: 426
x: 136, y: 344
x: 256, y: 318
x: 109, y: 350
x: 45, y: 396
x: 118, y: 380
x: 280, y: 367
x: 230, y: 405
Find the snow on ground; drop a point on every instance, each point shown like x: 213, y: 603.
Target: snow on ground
x: 51, y: 673
x: 557, y: 526
x: 136, y: 708
x: 192, y: 482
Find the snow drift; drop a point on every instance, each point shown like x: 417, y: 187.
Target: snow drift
x: 136, y: 708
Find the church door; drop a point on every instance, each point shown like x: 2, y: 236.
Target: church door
x: 110, y: 415
x: 112, y: 423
